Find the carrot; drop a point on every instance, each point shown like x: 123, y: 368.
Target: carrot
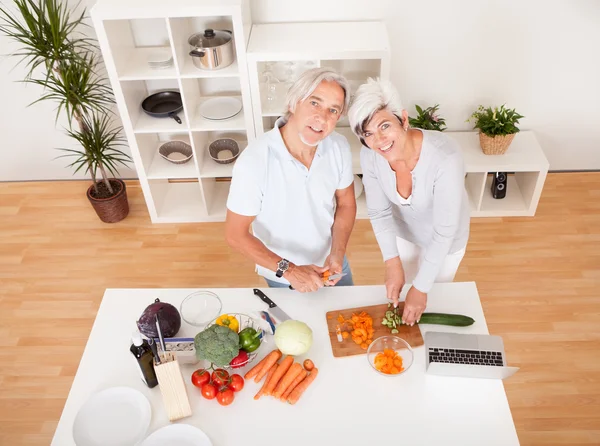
x: 270, y: 359
x: 308, y: 365
x: 300, y: 388
x: 292, y: 386
x: 281, y: 370
x: 287, y: 379
x: 254, y: 370
x: 261, y: 392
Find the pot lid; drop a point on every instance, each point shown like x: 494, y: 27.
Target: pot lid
x: 210, y: 39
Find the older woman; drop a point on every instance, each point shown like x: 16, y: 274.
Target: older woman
x: 416, y: 198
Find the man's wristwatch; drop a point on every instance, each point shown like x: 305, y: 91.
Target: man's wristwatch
x: 282, y: 267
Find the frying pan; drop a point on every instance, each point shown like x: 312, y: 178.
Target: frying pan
x: 163, y: 104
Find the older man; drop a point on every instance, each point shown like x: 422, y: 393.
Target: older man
x: 294, y: 186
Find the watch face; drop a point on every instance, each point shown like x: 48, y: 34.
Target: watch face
x: 283, y: 264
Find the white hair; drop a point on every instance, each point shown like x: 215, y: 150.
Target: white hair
x: 306, y: 84
x: 371, y: 97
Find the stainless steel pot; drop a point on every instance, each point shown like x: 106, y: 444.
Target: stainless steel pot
x: 212, y: 50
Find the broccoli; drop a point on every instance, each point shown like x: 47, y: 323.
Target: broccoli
x: 217, y: 344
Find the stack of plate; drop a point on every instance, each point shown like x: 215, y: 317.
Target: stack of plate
x: 219, y: 108
x: 160, y: 58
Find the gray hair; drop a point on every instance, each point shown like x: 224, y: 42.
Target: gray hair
x: 306, y: 84
x: 371, y: 97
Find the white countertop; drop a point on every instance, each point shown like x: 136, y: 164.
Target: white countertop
x: 348, y: 404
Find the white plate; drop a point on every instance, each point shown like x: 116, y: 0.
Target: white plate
x: 159, y: 56
x: 219, y: 108
x: 178, y: 434
x: 118, y: 416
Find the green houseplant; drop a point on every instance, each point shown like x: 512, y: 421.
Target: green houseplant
x: 62, y: 61
x: 428, y: 119
x: 497, y: 128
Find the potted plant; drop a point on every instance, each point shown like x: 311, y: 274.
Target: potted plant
x: 428, y: 119
x: 497, y: 128
x: 64, y: 63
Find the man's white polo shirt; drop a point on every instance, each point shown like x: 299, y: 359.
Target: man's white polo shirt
x: 294, y: 206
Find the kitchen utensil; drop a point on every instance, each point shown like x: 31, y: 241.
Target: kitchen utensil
x: 172, y: 386
x: 178, y: 434
x: 335, y: 276
x: 395, y: 343
x: 200, y: 307
x: 117, y: 416
x: 176, y: 152
x: 164, y: 104
x: 412, y: 335
x: 273, y: 308
x: 160, y: 335
x: 159, y: 58
x: 152, y: 345
x: 220, y: 107
x: 218, y: 147
x: 212, y: 50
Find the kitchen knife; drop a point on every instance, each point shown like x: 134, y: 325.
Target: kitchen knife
x: 273, y: 308
x: 336, y: 276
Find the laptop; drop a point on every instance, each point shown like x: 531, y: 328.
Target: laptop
x: 466, y: 355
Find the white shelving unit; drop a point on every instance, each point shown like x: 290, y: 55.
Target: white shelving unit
x: 127, y: 33
x: 358, y: 50
x: 526, y: 165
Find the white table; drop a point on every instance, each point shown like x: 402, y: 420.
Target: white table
x: 348, y: 404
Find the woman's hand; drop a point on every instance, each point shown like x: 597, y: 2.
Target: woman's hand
x: 394, y: 279
x: 305, y: 278
x: 414, y: 305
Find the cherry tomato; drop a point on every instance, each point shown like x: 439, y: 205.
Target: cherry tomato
x: 220, y: 377
x: 209, y: 391
x: 200, y: 377
x: 225, y: 396
x: 236, y: 383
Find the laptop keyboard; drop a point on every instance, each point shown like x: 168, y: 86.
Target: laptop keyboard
x: 477, y: 357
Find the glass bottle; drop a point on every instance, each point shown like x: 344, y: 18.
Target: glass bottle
x: 145, y: 359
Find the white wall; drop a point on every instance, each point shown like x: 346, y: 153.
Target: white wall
x: 541, y: 57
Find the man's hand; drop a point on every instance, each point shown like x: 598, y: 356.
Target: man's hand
x: 305, y: 278
x: 394, y: 279
x: 333, y: 264
x: 414, y: 305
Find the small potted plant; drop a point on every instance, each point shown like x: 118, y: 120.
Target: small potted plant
x: 64, y: 63
x: 428, y: 119
x: 497, y: 128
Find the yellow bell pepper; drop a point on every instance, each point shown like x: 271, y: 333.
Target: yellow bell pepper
x: 228, y: 321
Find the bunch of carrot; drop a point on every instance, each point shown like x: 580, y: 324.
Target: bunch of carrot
x: 361, y: 326
x: 286, y: 380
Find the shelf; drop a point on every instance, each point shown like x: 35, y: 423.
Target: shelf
x: 189, y: 70
x: 513, y: 204
x: 178, y: 202
x: 163, y: 169
x: 199, y: 123
x: 218, y: 207
x: 137, y: 68
x: 212, y: 169
x: 148, y: 124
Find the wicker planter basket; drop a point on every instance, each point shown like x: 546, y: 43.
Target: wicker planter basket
x: 495, y: 145
x: 112, y: 209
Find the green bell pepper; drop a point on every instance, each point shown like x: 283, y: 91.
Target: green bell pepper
x: 249, y: 339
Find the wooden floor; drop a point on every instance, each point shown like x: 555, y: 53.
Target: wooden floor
x: 539, y: 280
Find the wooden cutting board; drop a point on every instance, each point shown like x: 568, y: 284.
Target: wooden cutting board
x: 347, y: 347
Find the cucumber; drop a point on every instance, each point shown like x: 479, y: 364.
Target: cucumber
x: 456, y: 320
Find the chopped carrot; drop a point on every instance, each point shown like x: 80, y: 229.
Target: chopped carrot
x: 300, y: 388
x: 270, y: 359
x: 287, y: 379
x: 361, y: 328
x: 345, y: 334
x: 303, y: 374
x: 281, y: 370
x: 270, y: 373
x: 388, y: 361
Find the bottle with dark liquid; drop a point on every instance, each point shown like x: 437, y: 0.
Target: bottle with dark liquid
x: 145, y: 359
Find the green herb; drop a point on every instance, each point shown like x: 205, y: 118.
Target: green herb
x: 428, y: 119
x: 495, y: 121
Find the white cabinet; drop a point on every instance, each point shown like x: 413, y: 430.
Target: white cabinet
x: 128, y: 32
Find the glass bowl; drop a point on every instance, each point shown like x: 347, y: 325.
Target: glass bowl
x: 394, y: 343
x: 244, y: 321
x: 200, y: 308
